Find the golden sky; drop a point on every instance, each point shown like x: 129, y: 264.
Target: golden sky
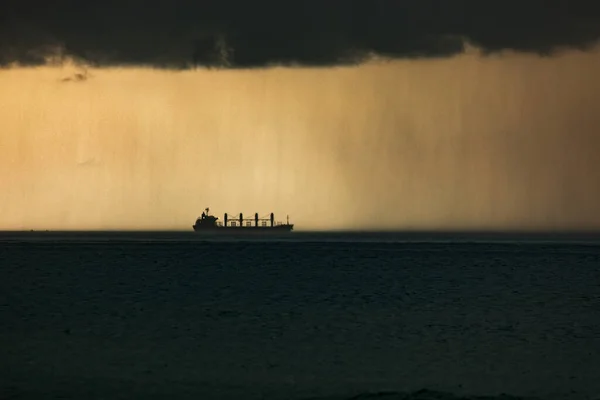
x: 508, y: 141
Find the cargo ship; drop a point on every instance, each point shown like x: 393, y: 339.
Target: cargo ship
x: 210, y: 224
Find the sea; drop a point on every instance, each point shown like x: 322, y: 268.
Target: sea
x: 329, y: 316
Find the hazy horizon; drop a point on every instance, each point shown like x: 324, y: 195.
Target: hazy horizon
x: 470, y: 142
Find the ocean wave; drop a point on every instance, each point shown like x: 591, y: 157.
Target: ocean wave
x: 423, y: 394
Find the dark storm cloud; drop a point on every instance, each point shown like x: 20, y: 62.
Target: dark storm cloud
x: 183, y: 33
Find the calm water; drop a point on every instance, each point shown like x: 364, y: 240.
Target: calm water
x: 332, y: 316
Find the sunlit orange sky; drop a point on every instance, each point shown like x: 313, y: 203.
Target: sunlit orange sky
x: 508, y: 141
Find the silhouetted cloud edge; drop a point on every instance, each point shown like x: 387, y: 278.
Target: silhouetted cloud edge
x: 267, y: 33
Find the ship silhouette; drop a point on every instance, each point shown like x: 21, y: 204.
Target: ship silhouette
x: 211, y: 224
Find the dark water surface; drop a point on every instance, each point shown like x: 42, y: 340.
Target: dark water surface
x: 329, y: 316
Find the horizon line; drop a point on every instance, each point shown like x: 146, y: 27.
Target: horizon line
x: 522, y: 231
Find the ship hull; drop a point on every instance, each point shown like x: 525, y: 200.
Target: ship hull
x: 244, y: 230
